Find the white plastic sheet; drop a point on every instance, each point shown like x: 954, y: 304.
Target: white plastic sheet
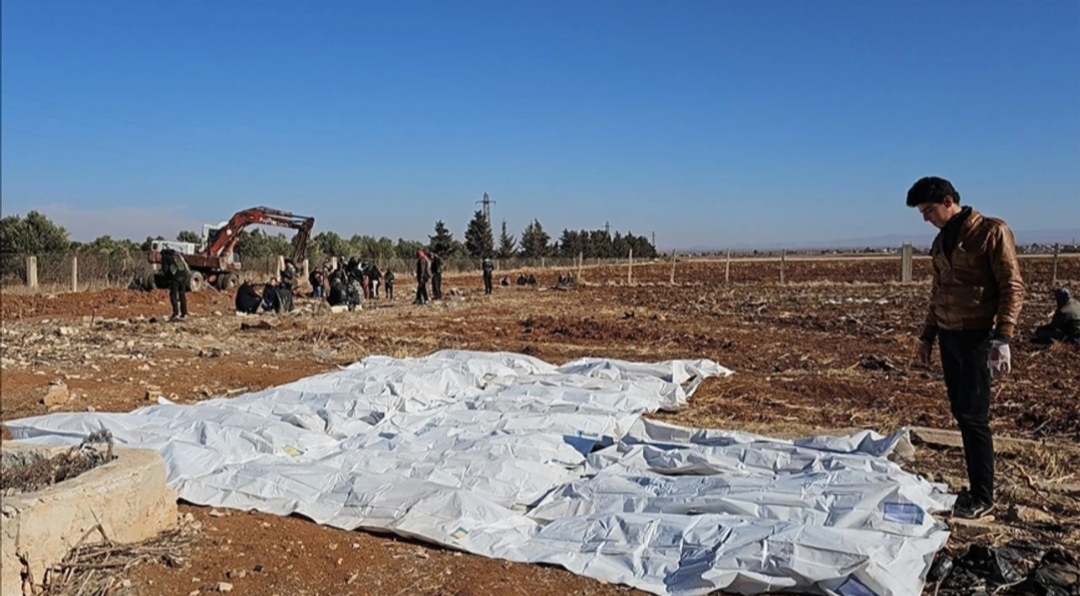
x: 506, y: 456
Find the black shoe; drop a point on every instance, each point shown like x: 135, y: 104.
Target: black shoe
x: 968, y: 507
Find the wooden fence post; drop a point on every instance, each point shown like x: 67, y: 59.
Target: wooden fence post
x: 543, y: 263
x: 672, y: 281
x: 74, y: 273
x: 630, y: 268
x: 905, y: 263
x: 307, y: 269
x: 1053, y: 278
x: 783, y: 258
x: 727, y: 267
x: 31, y: 273
x: 580, y: 262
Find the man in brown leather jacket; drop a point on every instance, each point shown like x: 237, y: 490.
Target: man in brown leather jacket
x: 974, y: 307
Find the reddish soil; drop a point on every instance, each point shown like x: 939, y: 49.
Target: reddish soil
x: 831, y: 349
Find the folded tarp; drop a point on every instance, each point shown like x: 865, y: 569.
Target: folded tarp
x: 506, y: 456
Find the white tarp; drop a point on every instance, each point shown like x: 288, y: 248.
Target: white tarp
x: 506, y: 456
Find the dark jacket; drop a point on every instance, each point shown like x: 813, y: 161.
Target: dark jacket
x: 288, y: 277
x: 977, y: 285
x: 247, y: 299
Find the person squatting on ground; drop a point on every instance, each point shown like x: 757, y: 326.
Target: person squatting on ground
x: 1064, y: 326
x: 247, y: 299
x: 975, y: 302
x: 270, y: 296
x: 423, y: 274
x: 488, y: 268
x: 177, y: 276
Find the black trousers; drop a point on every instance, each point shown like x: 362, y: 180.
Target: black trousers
x: 421, y: 292
x: 967, y: 379
x: 1044, y: 334
x: 487, y: 283
x: 436, y: 286
x: 178, y: 296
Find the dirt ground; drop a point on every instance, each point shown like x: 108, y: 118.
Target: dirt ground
x: 830, y: 349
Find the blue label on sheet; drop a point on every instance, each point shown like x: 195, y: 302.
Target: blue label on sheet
x: 903, y: 513
x: 853, y: 587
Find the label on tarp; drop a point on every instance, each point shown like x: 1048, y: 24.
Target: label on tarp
x: 853, y: 587
x: 903, y: 513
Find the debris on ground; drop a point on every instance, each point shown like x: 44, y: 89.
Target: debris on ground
x: 99, y: 569
x: 29, y: 471
x: 1019, y: 567
x: 875, y: 362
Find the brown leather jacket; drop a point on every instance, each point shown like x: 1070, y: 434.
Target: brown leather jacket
x: 978, y: 286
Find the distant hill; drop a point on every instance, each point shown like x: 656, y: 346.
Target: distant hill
x: 1024, y: 237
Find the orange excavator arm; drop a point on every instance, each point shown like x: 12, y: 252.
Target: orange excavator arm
x: 223, y: 244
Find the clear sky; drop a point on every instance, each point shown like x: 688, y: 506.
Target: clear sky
x: 708, y: 123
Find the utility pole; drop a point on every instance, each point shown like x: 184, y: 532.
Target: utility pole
x: 607, y: 228
x: 486, y: 202
x: 654, y: 239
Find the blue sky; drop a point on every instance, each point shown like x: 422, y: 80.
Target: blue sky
x: 708, y: 123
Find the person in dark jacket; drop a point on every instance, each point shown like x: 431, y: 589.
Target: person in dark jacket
x: 423, y: 274
x: 336, y: 296
x: 247, y: 299
x: 388, y: 282
x: 436, y: 276
x: 287, y: 286
x: 488, y: 268
x: 1064, y: 326
x: 177, y: 275
x: 270, y: 296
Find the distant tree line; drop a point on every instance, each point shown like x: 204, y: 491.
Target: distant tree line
x: 36, y: 234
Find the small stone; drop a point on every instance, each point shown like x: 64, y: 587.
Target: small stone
x: 352, y: 577
x: 216, y: 513
x: 224, y: 587
x: 193, y: 593
x: 91, y: 409
x: 257, y: 568
x: 152, y: 392
x: 126, y: 583
x: 57, y: 394
x: 1032, y: 515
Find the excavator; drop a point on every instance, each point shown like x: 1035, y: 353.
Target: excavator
x: 215, y: 263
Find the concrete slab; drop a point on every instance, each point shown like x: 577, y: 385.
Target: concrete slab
x: 127, y: 497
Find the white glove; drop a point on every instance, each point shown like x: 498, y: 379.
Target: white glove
x: 999, y: 359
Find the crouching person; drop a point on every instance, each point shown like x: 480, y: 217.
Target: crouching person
x: 1064, y: 326
x: 248, y: 300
